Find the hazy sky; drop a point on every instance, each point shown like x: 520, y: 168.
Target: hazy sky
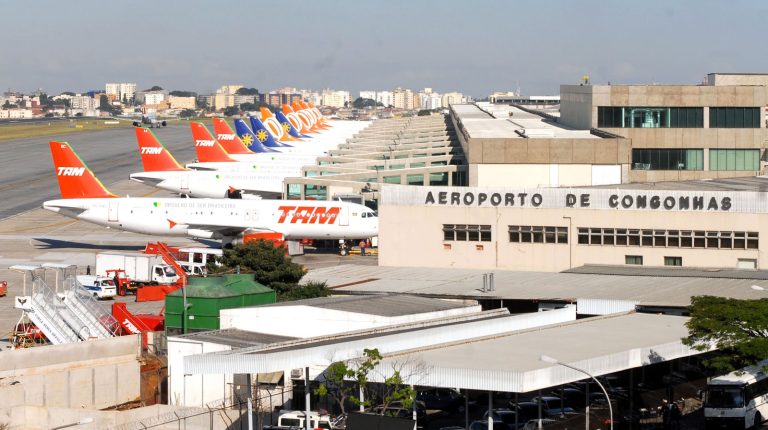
x: 473, y: 46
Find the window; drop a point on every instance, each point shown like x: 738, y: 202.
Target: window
x: 673, y: 261
x: 734, y: 117
x: 734, y: 159
x: 633, y: 259
x: 746, y: 263
x: 537, y: 234
x: 650, y: 117
x: 662, y: 238
x: 467, y: 233
x: 667, y: 159
x: 415, y: 179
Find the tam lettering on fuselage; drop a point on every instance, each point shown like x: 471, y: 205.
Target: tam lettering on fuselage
x: 308, y: 214
x: 152, y: 151
x: 71, y: 171
x: 205, y: 142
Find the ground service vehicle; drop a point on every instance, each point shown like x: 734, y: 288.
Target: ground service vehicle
x: 141, y: 269
x: 738, y: 400
x: 295, y: 420
x: 100, y: 287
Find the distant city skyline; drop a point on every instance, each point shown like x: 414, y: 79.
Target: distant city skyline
x: 469, y: 47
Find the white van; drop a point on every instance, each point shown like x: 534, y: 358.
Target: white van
x: 295, y: 419
x: 194, y: 269
x: 100, y: 287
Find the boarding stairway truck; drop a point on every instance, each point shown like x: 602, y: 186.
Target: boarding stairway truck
x: 169, y: 257
x: 64, y: 317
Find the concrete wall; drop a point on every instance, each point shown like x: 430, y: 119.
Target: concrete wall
x: 403, y: 226
x: 194, y: 390
x: 545, y: 175
x: 95, y: 374
x: 308, y: 321
x: 737, y: 79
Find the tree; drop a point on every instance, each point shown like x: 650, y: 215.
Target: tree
x: 179, y: 93
x: 738, y: 328
x: 104, y: 103
x: 232, y: 110
x: 247, y: 91
x: 361, y: 103
x: 249, y: 107
x: 156, y: 88
x: 272, y: 268
x: 68, y: 93
x: 424, y: 112
x: 338, y: 374
x: 187, y: 113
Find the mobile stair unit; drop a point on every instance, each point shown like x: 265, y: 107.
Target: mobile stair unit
x: 67, y: 314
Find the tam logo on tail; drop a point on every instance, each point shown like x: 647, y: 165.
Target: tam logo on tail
x: 151, y: 151
x: 205, y: 142
x: 70, y: 171
x: 227, y: 136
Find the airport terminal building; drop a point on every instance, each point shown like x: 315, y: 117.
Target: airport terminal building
x: 710, y: 223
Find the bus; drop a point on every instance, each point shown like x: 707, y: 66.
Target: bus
x: 738, y: 400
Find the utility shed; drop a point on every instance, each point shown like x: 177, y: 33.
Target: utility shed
x: 206, y: 297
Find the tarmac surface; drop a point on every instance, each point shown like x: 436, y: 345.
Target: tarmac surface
x: 32, y: 235
x: 26, y: 169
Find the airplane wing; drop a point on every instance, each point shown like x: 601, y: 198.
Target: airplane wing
x: 223, y: 230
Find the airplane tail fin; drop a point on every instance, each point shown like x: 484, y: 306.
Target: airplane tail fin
x: 76, y: 180
x: 228, y: 139
x: 207, y: 148
x: 307, y: 120
x: 249, y: 138
x: 263, y: 135
x: 154, y: 156
x: 290, y: 130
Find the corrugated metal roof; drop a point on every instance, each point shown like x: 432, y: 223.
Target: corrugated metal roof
x: 325, y: 350
x: 512, y: 362
x: 485, y: 354
x: 235, y: 338
x: 383, y: 305
x: 467, y: 283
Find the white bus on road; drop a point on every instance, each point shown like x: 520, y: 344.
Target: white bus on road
x: 738, y: 400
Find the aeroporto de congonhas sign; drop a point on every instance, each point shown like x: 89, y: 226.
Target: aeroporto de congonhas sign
x: 577, y: 198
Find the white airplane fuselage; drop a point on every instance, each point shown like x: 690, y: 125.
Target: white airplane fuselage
x: 216, y: 184
x: 220, y: 218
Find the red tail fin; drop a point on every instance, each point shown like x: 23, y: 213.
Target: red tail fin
x: 154, y: 156
x: 75, y: 178
x: 228, y: 138
x: 208, y: 149
x: 287, y: 109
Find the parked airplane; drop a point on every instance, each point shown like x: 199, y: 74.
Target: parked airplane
x: 209, y: 151
x: 161, y: 170
x: 85, y: 198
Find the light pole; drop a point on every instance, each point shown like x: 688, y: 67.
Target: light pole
x: 553, y: 360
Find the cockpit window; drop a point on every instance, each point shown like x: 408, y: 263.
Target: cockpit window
x: 369, y: 215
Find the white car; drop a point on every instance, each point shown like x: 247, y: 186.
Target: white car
x: 100, y: 287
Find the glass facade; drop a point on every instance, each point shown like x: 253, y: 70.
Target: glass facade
x: 667, y: 159
x: 734, y: 117
x: 315, y: 192
x: 734, y: 159
x: 650, y: 117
